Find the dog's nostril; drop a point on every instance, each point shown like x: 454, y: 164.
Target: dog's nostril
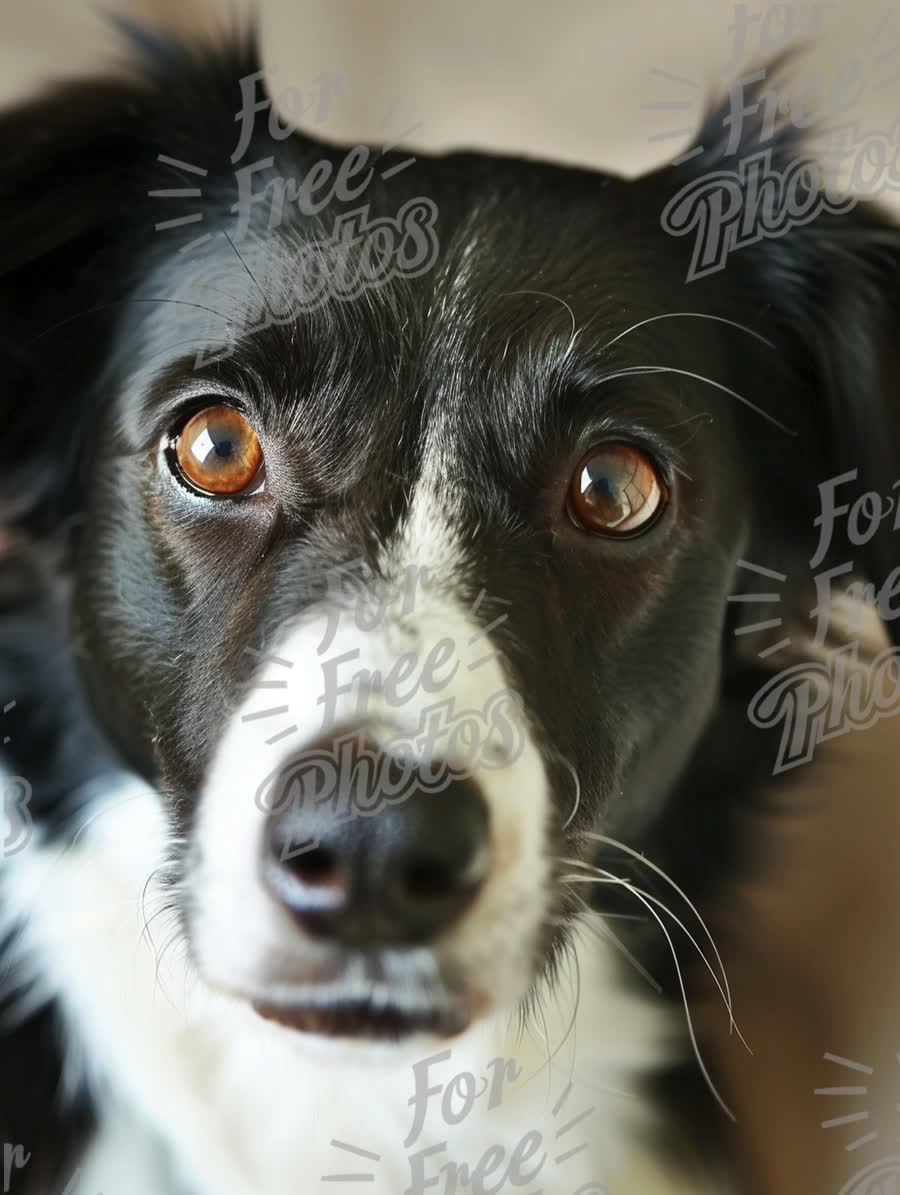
x: 426, y: 880
x: 318, y: 867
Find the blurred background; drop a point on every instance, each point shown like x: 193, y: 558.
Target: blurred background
x: 622, y: 85
x: 611, y: 83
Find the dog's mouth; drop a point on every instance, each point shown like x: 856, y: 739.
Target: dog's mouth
x: 365, y: 997
x: 365, y: 1019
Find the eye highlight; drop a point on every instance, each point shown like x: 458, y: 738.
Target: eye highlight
x: 217, y: 452
x: 616, y: 490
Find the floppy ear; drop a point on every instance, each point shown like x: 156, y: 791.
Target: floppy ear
x: 818, y: 272
x: 851, y: 325
x: 74, y: 208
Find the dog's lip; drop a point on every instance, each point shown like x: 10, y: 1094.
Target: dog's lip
x: 363, y: 1018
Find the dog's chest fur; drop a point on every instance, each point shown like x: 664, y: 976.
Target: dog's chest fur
x: 195, y: 1095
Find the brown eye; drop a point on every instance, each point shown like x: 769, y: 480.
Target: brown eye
x: 217, y: 451
x: 616, y: 490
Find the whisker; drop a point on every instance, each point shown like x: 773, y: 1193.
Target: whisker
x: 249, y: 272
x: 657, y: 870
x: 608, y: 877
x: 546, y: 295
x: 573, y: 958
x: 719, y: 319
x: 116, y: 302
x: 638, y: 370
x: 665, y: 908
x: 606, y: 935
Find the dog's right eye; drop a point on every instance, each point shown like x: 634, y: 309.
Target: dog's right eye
x: 218, y: 453
x: 617, y: 490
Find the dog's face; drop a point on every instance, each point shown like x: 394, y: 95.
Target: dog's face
x: 400, y: 597
x: 427, y: 521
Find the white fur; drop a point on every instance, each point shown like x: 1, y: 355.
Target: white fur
x: 236, y: 923
x: 241, y: 1103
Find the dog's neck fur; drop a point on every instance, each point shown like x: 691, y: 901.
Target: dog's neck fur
x: 240, y: 1107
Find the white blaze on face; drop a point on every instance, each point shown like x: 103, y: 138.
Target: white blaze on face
x: 416, y: 669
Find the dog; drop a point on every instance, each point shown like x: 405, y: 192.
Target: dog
x: 368, y: 647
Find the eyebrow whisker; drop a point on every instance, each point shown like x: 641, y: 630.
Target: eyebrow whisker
x: 637, y: 370
x: 546, y: 295
x: 690, y: 315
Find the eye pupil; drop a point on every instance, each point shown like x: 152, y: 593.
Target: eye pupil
x: 218, y: 452
x: 616, y: 490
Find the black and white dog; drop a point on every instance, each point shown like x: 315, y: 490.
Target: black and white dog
x: 367, y: 646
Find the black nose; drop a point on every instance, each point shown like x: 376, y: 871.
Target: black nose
x: 366, y: 849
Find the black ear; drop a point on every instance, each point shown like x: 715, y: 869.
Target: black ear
x: 773, y: 236
x: 851, y: 327
x: 78, y: 163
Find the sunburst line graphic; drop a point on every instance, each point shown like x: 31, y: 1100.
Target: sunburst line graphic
x: 196, y: 192
x: 881, y: 29
x: 676, y: 106
x: 576, y: 1120
x: 765, y: 597
x: 180, y: 222
x: 485, y: 631
x: 282, y: 734
x: 188, y: 166
x: 850, y: 1064
x: 391, y: 171
x: 260, y: 715
x: 192, y: 245
x: 672, y: 78
x: 176, y: 193
x: 854, y: 1145
x: 763, y: 572
x: 671, y: 135
x: 278, y: 711
x: 754, y: 597
x: 391, y: 145
x: 10, y: 705
x: 366, y: 1177
x: 579, y: 1149
x: 880, y: 57
x: 560, y: 1159
x: 482, y: 660
x: 766, y: 625
x: 687, y: 155
x: 385, y: 121
x: 268, y: 657
x: 771, y: 650
x: 482, y: 634
x: 850, y: 1118
x: 886, y: 54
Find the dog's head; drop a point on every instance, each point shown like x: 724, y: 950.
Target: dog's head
x: 412, y: 505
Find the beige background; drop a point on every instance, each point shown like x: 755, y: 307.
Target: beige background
x: 816, y: 970
x: 573, y: 80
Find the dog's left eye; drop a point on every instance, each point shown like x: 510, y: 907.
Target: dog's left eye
x: 616, y: 490
x: 217, y: 452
